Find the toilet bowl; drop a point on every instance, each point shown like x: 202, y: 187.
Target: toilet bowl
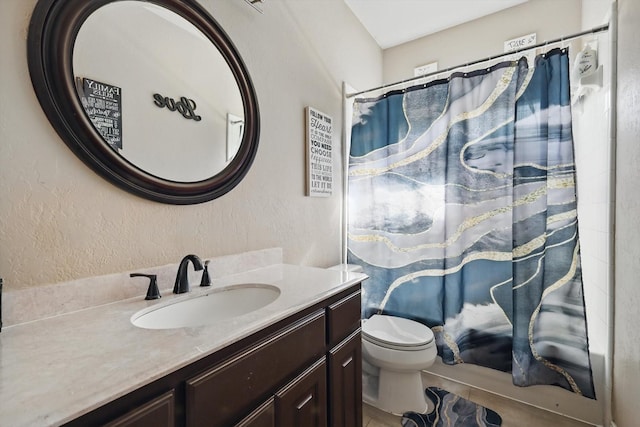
x: 400, y: 349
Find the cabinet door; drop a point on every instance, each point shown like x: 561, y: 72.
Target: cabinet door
x: 303, y: 402
x: 345, y: 383
x: 158, y: 413
x: 264, y: 416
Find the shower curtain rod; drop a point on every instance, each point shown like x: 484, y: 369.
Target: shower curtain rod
x: 594, y: 30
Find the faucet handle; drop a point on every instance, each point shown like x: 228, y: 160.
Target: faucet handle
x: 152, y: 292
x: 206, y: 280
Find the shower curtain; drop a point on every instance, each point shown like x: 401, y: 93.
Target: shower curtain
x: 462, y: 210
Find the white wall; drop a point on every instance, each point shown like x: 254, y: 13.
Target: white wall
x: 60, y: 221
x: 484, y: 37
x: 626, y: 360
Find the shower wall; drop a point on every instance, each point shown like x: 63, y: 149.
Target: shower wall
x: 593, y: 142
x: 593, y: 145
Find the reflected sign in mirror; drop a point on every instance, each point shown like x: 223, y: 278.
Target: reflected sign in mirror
x: 143, y: 93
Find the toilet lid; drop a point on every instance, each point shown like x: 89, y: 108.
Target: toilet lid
x: 397, y: 331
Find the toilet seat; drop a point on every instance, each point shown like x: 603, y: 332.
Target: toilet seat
x: 397, y: 333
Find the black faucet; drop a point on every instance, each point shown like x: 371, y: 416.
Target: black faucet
x: 182, y: 279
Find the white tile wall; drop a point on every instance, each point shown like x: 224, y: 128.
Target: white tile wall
x: 593, y: 146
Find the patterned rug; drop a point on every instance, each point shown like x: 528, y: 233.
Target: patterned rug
x: 451, y: 411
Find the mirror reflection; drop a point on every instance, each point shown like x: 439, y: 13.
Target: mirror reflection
x: 164, y: 99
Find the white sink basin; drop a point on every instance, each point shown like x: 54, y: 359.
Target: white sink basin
x: 207, y: 309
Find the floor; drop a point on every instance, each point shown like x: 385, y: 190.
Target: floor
x: 514, y: 414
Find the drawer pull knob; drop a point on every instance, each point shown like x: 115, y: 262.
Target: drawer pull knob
x: 346, y: 362
x: 304, y: 402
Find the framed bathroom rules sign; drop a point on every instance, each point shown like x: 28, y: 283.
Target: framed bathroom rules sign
x: 319, y: 141
x: 103, y: 104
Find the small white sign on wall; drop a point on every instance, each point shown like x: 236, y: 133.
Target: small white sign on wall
x: 425, y: 69
x: 319, y: 153
x: 520, y: 42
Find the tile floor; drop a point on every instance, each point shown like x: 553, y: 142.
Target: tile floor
x: 514, y: 414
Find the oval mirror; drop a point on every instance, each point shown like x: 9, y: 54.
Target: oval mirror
x: 152, y: 95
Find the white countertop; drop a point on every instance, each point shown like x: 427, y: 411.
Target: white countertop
x: 56, y: 369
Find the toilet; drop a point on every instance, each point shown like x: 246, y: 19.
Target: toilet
x: 397, y: 350
x: 394, y: 352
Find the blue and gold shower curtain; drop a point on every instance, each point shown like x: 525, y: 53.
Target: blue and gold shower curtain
x: 462, y: 210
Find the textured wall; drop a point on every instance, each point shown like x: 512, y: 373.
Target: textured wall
x: 626, y: 360
x: 60, y: 221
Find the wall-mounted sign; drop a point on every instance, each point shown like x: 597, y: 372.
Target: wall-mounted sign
x: 103, y: 104
x: 185, y: 106
x: 319, y: 153
x: 520, y: 42
x: 429, y: 68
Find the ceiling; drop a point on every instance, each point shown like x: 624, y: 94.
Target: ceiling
x: 393, y: 22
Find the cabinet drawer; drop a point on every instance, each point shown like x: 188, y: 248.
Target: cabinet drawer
x: 221, y: 395
x: 158, y: 412
x: 343, y: 318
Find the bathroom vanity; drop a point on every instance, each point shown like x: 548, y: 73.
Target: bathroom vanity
x: 302, y: 371
x: 296, y: 361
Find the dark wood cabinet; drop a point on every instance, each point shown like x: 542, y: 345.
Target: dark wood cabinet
x: 157, y: 413
x: 345, y: 378
x: 343, y: 318
x: 303, y: 403
x: 218, y: 397
x: 263, y: 416
x: 302, y: 371
x: 344, y: 362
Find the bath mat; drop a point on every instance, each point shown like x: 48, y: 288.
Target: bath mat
x: 451, y: 411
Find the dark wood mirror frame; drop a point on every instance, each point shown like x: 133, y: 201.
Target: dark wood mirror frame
x: 53, y: 28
